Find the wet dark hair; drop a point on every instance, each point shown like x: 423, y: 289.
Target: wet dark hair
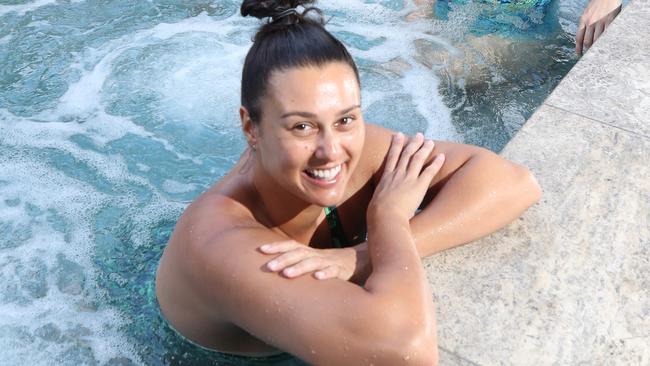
x: 288, y: 39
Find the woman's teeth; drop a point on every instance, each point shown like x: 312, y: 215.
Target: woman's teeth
x: 324, y: 174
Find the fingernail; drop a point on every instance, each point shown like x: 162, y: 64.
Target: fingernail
x: 265, y: 247
x: 288, y: 271
x: 319, y: 275
x: 272, y: 264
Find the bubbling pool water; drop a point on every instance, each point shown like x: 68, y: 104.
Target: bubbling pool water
x: 115, y: 115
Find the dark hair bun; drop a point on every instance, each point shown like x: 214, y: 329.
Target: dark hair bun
x: 268, y: 8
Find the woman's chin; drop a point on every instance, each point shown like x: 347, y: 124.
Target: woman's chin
x: 325, y: 193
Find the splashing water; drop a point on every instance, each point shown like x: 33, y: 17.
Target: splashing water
x: 114, y: 115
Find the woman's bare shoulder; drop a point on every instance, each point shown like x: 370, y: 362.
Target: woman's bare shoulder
x: 374, y: 151
x: 377, y: 141
x: 212, y: 214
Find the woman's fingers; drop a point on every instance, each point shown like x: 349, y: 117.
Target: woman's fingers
x: 411, y: 148
x: 296, y: 259
x: 429, y: 172
x: 280, y: 246
x: 288, y: 258
x: 393, y: 153
x: 328, y: 272
x: 306, y: 265
x: 420, y: 158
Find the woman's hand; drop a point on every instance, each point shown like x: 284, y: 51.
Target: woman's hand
x: 405, y: 178
x: 596, y: 17
x: 297, y: 259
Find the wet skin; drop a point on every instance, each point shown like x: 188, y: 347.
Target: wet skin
x: 214, y: 284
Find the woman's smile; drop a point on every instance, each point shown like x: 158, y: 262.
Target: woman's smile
x: 324, y: 177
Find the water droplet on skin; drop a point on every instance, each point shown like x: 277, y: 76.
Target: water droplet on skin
x: 313, y: 352
x: 406, y: 268
x: 407, y: 357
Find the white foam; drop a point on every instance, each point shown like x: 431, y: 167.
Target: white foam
x: 172, y: 186
x: 198, y: 78
x: 21, y: 9
x: 419, y: 82
x: 75, y: 202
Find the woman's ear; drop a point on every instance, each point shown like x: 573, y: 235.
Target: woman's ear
x: 250, y: 129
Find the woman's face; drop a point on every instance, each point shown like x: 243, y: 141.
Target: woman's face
x: 311, y: 132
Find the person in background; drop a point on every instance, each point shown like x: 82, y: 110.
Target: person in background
x: 597, y: 16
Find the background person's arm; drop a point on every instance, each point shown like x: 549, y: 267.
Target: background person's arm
x: 596, y: 17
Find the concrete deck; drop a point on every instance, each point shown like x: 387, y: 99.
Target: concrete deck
x: 569, y: 282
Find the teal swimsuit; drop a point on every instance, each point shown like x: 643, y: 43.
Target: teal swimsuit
x: 336, y: 228
x: 187, y: 352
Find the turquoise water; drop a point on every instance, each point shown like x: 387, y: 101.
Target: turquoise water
x: 115, y: 114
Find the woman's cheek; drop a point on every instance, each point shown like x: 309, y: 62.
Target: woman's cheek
x: 299, y: 153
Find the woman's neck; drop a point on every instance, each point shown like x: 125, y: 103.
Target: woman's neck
x: 281, y: 210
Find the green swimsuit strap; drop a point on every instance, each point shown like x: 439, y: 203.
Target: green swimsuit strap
x: 336, y: 229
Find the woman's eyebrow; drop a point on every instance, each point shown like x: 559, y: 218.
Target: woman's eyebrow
x: 349, y: 109
x: 311, y: 115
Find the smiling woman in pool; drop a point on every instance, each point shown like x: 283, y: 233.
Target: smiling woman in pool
x: 223, y: 279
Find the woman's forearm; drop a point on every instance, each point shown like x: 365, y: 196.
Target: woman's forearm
x: 484, y: 195
x: 392, y: 254
x: 399, y: 282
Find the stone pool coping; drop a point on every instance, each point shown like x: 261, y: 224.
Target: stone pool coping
x: 569, y: 282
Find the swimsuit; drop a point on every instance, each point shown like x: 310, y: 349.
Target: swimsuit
x: 336, y: 229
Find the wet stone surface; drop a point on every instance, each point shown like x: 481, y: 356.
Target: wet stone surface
x: 567, y: 283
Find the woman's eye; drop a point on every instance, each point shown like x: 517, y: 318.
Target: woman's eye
x: 302, y: 127
x: 346, y: 120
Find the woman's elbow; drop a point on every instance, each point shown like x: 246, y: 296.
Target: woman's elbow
x: 529, y: 186
x: 408, y: 341
x: 408, y: 352
x: 423, y: 352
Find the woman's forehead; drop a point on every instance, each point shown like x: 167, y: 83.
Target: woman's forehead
x: 314, y: 87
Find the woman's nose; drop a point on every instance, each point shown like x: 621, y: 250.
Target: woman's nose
x: 328, y: 146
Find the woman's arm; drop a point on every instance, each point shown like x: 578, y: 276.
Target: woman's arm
x: 482, y: 193
x: 475, y: 193
x: 390, y: 321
